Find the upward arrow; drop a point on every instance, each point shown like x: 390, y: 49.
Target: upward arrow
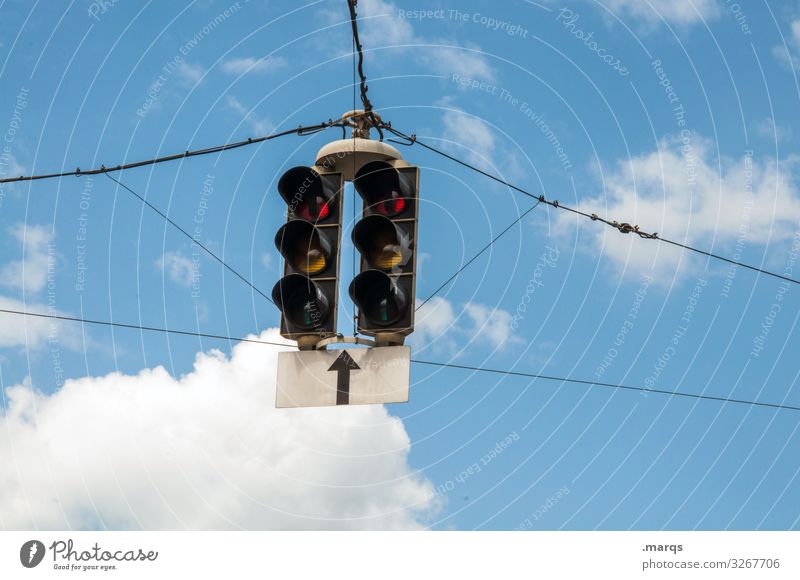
x: 343, y: 364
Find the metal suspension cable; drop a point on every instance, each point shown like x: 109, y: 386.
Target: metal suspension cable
x: 610, y: 385
x: 351, y: 4
x: 622, y: 227
x: 416, y: 361
x: 140, y: 327
x: 301, y: 131
x: 188, y: 235
x: 476, y: 256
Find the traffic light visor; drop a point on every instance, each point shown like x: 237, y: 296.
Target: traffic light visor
x: 303, y: 304
x: 382, y: 243
x: 304, y: 247
x: 303, y: 191
x: 386, y: 191
x: 378, y: 297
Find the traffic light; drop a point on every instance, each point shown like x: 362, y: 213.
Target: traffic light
x: 307, y: 295
x: 386, y: 237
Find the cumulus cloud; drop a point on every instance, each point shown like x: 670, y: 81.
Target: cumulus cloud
x: 251, y: 65
x: 789, y: 53
x: 260, y: 125
x: 493, y: 324
x: 386, y: 27
x: 434, y: 323
x: 472, y: 134
x: 680, y: 13
x: 179, y: 268
x: 29, y: 273
x: 438, y: 323
x: 207, y: 450
x: 30, y: 332
x: 688, y: 195
x: 471, y: 137
x: 190, y: 73
x: 10, y: 167
x: 768, y: 128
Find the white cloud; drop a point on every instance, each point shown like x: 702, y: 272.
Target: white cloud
x: 240, y: 66
x: 681, y: 12
x: 688, y: 196
x: 205, y: 451
x: 260, y: 125
x: 789, y: 55
x: 382, y: 26
x: 190, y: 73
x: 472, y: 136
x: 493, y: 324
x: 10, y: 167
x: 180, y: 268
x: 768, y: 128
x: 29, y: 332
x: 434, y: 324
x: 29, y: 273
x: 464, y: 62
x: 438, y: 324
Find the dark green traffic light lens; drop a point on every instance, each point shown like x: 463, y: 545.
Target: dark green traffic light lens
x: 378, y: 297
x: 303, y: 304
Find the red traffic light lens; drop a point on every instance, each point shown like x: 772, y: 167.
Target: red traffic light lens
x: 305, y: 212
x: 385, y: 190
x: 391, y: 206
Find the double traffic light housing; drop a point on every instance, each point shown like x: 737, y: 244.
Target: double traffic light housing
x: 310, y: 240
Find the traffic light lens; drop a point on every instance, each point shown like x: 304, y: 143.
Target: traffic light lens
x: 308, y: 310
x: 381, y: 307
x: 303, y: 304
x: 310, y: 259
x: 386, y: 252
x: 384, y: 307
x: 391, y: 206
x: 307, y: 249
x: 305, y: 212
x: 387, y: 258
x: 380, y: 300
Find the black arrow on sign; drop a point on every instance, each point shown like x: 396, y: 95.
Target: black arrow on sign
x: 343, y: 364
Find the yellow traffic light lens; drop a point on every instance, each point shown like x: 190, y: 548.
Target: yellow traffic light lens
x: 388, y: 257
x: 310, y: 258
x: 386, y: 252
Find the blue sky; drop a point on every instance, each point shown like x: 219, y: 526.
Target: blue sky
x: 678, y: 117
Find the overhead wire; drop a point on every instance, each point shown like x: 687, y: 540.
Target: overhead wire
x: 228, y: 338
x: 476, y: 256
x: 351, y: 4
x: 191, y: 237
x: 300, y: 131
x: 610, y: 385
x: 622, y: 227
x: 140, y: 327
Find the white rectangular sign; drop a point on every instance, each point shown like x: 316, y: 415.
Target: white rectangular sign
x: 351, y: 376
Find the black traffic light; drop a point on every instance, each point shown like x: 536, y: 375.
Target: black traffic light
x: 307, y: 295
x: 386, y: 237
